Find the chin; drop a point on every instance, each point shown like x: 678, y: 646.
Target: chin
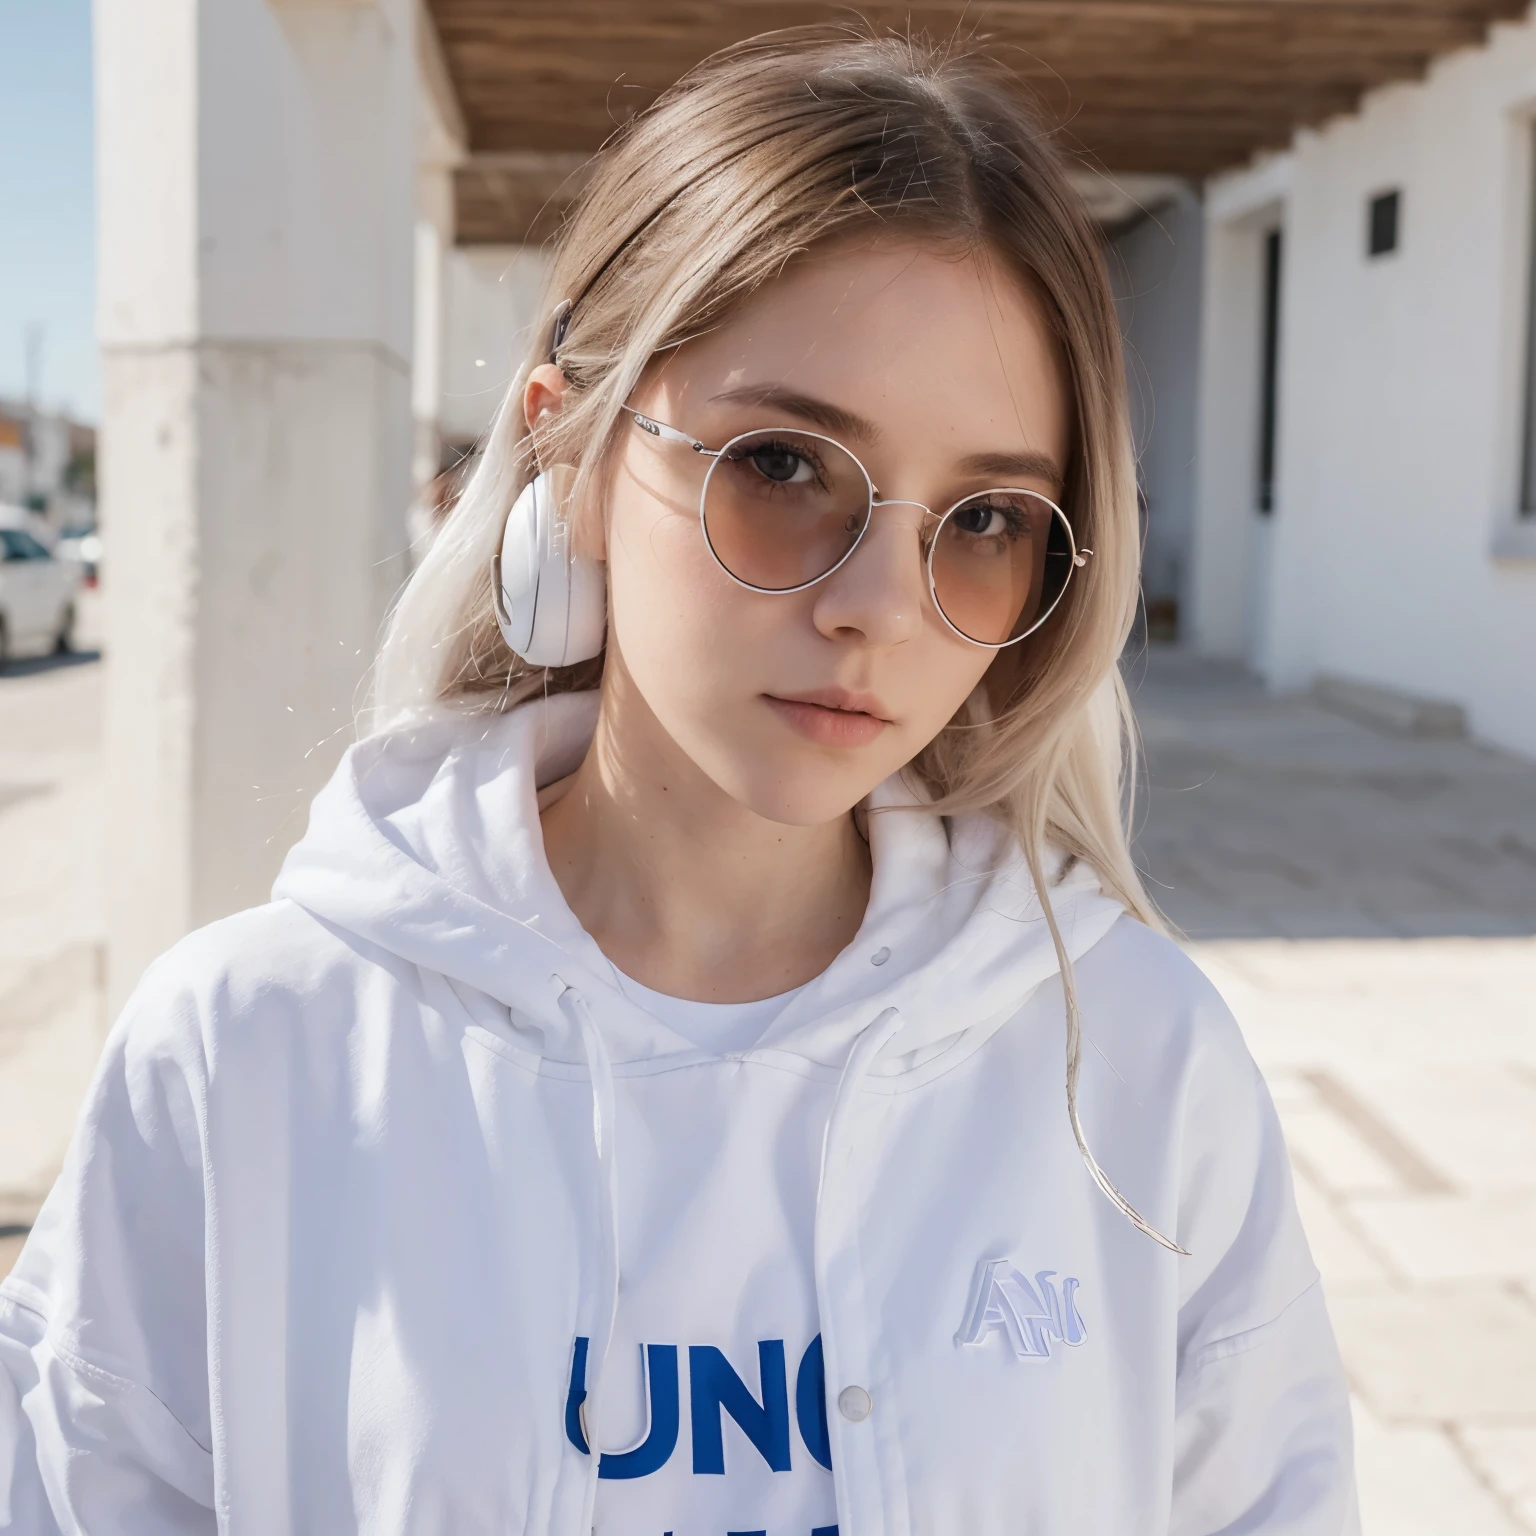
x: 796, y: 789
x: 773, y: 772
x: 812, y: 806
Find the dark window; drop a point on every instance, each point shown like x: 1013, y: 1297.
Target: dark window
x: 1528, y: 445
x: 1381, y: 231
x: 1269, y: 380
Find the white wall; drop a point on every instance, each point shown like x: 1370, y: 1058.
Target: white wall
x: 442, y: 144
x: 1156, y: 268
x: 1396, y: 555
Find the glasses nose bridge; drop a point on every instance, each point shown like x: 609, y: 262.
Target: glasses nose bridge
x: 877, y: 500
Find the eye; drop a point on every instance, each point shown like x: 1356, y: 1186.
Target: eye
x: 780, y: 463
x: 985, y: 519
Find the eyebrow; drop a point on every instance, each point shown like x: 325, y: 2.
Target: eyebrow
x: 1026, y: 465
x: 821, y: 413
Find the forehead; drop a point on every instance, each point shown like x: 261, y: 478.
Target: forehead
x: 914, y: 337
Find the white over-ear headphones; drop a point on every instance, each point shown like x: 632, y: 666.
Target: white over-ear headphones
x: 551, y: 603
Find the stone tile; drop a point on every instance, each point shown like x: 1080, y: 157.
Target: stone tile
x: 1435, y: 1238
x: 1346, y: 1261
x: 1414, y: 1482
x: 1430, y: 972
x: 1356, y: 1004
x: 50, y: 893
x: 1290, y: 1090
x: 41, y: 1086
x: 1334, y: 1153
x: 1475, y: 1122
x: 10, y: 1250
x: 1268, y: 816
x: 1505, y: 1455
x: 1452, y: 1352
x: 51, y: 925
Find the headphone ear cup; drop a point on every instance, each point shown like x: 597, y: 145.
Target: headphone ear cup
x: 551, y: 603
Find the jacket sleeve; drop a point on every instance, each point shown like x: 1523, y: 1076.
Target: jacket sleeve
x: 1263, y: 1441
x: 104, y: 1402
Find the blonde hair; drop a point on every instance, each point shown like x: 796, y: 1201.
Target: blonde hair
x: 757, y: 156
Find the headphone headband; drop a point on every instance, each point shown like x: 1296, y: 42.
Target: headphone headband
x: 562, y: 317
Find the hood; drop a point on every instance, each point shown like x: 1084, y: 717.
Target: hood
x: 426, y: 843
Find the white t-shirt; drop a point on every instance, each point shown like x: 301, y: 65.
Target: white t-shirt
x: 768, y: 1330
x: 717, y: 1027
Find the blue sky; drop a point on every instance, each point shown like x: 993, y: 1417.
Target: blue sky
x: 47, y: 213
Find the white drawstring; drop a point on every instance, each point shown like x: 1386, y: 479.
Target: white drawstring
x: 870, y: 1043
x: 600, y: 1071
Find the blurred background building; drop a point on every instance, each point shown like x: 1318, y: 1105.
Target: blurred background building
x: 47, y: 465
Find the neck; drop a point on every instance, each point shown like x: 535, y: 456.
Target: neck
x: 682, y: 887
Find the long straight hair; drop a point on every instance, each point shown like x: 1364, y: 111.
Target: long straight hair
x: 757, y: 157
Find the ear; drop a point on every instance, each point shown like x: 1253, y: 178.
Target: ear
x: 543, y: 395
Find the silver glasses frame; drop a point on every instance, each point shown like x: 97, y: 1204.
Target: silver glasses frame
x: 1079, y: 557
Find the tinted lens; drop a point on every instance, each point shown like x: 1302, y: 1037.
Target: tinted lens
x: 782, y: 508
x: 1000, y: 562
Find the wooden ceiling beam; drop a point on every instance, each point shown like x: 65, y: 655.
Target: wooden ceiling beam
x: 489, y: 60
x: 1184, y: 87
x: 1109, y: 25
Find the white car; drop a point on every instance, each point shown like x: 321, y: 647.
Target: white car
x: 37, y: 597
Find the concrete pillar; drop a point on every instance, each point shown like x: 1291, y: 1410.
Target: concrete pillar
x: 256, y: 202
x: 442, y: 145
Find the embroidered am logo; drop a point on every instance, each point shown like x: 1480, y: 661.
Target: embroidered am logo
x: 1029, y: 1315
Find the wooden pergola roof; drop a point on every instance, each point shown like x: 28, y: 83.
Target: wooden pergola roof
x: 1175, y: 87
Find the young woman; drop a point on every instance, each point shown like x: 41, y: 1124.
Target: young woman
x: 640, y: 1108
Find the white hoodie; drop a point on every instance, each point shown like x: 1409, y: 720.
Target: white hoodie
x: 373, y: 1180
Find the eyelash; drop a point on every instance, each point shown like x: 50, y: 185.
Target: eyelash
x: 798, y: 450
x: 1011, y: 514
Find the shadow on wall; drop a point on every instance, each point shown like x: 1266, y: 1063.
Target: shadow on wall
x: 1279, y: 817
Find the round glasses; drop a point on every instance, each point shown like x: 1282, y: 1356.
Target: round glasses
x: 782, y: 509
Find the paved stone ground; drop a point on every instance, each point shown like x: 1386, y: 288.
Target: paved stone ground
x: 1273, y: 818
x: 1367, y: 904
x: 51, y: 1022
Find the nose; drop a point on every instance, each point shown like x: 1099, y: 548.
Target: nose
x: 878, y: 594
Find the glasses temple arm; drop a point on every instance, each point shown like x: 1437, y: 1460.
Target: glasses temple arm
x: 671, y: 434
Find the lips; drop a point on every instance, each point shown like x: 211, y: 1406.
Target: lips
x: 832, y: 717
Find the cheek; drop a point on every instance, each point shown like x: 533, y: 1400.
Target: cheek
x: 937, y: 676
x: 674, y: 612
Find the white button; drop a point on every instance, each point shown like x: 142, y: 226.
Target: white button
x: 854, y: 1403
x: 880, y: 956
